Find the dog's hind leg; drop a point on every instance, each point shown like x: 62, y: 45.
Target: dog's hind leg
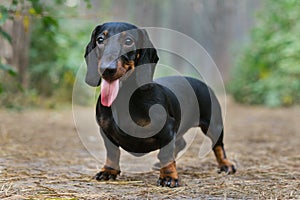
x: 215, y: 132
x: 111, y: 168
x: 214, y: 129
x: 216, y: 137
x: 223, y: 162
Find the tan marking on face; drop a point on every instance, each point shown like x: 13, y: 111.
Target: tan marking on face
x: 130, y: 65
x: 105, y: 33
x: 121, y: 69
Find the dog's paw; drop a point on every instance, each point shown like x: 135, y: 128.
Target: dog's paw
x: 168, y: 182
x: 168, y: 176
x: 227, y: 168
x: 107, y: 173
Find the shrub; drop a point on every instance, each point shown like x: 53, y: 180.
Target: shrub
x: 268, y: 72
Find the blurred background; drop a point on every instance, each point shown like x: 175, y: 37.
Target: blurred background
x: 254, y: 43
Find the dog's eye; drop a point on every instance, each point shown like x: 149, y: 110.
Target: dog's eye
x: 100, y: 40
x: 128, y: 41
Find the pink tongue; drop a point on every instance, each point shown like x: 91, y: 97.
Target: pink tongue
x: 109, y: 92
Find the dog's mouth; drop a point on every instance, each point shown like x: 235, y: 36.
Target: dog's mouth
x: 110, y: 85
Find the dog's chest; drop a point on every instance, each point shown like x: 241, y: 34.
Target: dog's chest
x: 134, y: 137
x: 125, y: 134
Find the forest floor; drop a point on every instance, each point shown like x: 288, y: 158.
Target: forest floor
x: 42, y: 157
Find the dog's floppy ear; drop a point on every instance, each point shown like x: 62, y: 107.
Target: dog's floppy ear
x: 92, y: 77
x: 147, y: 58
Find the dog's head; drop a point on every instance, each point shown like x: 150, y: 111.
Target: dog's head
x: 115, y: 50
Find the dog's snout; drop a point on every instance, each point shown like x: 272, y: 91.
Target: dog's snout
x: 108, y: 70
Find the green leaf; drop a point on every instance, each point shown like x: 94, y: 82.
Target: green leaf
x: 5, y: 35
x: 15, y: 2
x: 3, y: 15
x: 88, y: 4
x: 37, y: 6
x: 51, y: 25
x: 59, y: 2
x: 9, y: 69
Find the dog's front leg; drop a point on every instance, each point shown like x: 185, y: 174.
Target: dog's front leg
x: 111, y: 168
x: 168, y: 173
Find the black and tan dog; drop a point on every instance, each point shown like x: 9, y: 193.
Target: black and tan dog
x: 117, y: 50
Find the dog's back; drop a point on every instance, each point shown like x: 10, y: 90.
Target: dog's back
x: 195, y: 99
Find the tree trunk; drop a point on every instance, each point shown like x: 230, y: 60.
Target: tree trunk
x: 16, y: 54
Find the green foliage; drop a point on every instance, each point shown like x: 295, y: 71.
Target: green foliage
x: 54, y: 59
x: 8, y: 69
x: 56, y: 52
x: 4, y: 68
x: 5, y: 35
x: 268, y: 72
x: 15, y: 97
x: 4, y: 15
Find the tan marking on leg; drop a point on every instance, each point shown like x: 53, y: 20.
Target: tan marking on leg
x: 169, y: 171
x: 219, y: 154
x: 224, y: 164
x: 110, y: 170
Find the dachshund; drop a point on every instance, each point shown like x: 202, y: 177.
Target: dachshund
x: 121, y: 57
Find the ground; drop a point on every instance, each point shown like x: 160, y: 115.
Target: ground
x: 42, y: 157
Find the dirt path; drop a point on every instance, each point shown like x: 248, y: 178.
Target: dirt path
x: 42, y: 157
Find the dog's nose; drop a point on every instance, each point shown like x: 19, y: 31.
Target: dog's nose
x: 108, y: 71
